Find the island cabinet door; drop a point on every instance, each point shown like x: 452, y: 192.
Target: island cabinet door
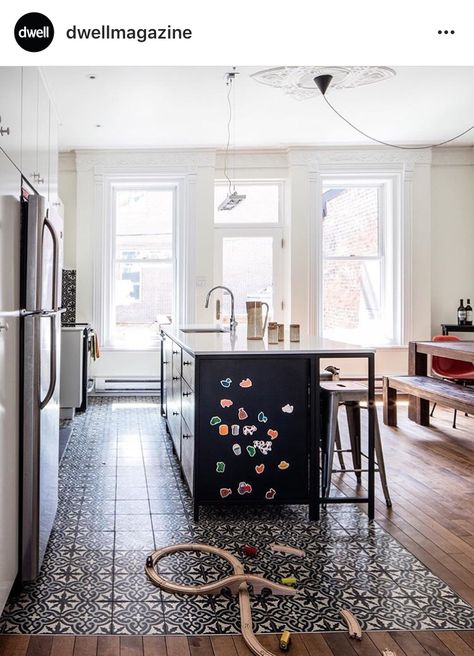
x: 253, y: 419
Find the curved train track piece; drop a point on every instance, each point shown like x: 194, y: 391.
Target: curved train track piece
x: 237, y: 582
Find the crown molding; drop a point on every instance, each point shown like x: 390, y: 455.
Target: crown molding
x: 186, y: 160
x: 314, y: 158
x: 460, y: 156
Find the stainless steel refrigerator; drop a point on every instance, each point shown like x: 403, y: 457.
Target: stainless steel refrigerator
x: 40, y: 330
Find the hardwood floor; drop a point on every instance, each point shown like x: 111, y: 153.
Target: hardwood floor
x: 430, y: 473
x: 402, y: 643
x: 431, y: 478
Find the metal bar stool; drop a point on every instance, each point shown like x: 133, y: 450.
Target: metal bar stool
x: 349, y: 394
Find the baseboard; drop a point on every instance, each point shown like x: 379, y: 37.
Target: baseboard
x: 126, y: 384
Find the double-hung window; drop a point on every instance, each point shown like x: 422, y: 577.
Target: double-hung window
x: 360, y: 270
x: 143, y: 267
x: 248, y: 246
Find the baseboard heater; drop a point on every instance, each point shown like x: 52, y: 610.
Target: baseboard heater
x: 119, y: 384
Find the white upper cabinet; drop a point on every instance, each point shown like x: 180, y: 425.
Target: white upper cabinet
x: 53, y: 157
x: 10, y: 112
x: 29, y: 122
x: 39, y: 134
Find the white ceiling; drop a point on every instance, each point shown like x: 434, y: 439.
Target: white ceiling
x: 152, y: 107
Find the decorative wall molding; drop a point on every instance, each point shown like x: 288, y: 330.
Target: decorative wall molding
x: 315, y: 157
x: 67, y: 162
x: 461, y: 156
x: 129, y: 160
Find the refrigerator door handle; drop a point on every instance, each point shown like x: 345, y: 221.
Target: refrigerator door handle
x: 52, y: 361
x: 47, y: 224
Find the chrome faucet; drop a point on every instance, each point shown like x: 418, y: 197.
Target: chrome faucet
x: 233, y: 323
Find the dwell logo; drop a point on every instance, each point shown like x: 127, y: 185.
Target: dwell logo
x: 34, y: 32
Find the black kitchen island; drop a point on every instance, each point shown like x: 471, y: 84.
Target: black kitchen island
x: 245, y: 417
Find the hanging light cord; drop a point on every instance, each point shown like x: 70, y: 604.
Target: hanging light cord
x: 386, y: 143
x: 230, y: 80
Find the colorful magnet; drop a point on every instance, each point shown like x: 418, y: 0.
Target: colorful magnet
x: 263, y: 446
x: 249, y: 550
x: 260, y: 469
x: 249, y: 430
x: 223, y: 429
x: 225, y: 491
x: 283, y: 465
x: 272, y: 433
x: 288, y: 408
x: 235, y: 429
x: 242, y: 414
x: 226, y: 403
x: 244, y: 488
x: 220, y: 467
x: 237, y: 449
x: 245, y: 383
x: 262, y: 418
x: 270, y: 494
x: 227, y: 382
x: 251, y: 451
x: 215, y: 421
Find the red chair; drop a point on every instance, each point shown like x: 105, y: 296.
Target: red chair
x: 455, y: 370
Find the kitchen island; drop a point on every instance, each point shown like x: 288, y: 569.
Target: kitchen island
x: 244, y: 416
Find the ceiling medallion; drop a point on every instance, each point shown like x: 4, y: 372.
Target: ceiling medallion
x: 298, y: 81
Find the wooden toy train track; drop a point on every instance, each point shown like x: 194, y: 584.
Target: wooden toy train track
x: 237, y: 583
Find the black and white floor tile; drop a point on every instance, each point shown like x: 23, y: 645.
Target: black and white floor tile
x: 121, y: 497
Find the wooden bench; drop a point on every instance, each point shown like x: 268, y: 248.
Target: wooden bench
x: 429, y: 389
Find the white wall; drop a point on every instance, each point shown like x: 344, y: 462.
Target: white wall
x: 438, y: 262
x: 452, y: 237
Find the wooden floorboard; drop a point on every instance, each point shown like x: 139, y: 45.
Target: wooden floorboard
x: 373, y: 643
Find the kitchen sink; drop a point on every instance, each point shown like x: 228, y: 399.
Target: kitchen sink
x: 203, y: 329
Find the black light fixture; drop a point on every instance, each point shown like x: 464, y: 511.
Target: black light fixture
x: 323, y: 82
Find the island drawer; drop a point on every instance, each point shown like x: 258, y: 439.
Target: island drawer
x: 188, y: 369
x: 187, y: 454
x: 187, y: 403
x: 176, y: 358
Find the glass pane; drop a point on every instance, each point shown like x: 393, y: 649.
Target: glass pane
x: 247, y: 269
x: 352, y: 302
x: 351, y: 222
x: 144, y: 212
x: 260, y: 205
x: 142, y: 292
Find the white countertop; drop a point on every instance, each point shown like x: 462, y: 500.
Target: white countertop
x: 203, y: 343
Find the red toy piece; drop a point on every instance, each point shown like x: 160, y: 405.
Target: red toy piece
x: 248, y: 550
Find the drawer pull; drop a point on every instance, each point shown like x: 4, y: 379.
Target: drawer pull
x: 175, y: 352
x: 175, y: 377
x: 186, y: 363
x: 175, y: 414
x: 186, y: 437
x: 165, y: 362
x: 187, y: 393
x: 4, y: 131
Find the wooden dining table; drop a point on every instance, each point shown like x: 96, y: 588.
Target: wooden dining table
x: 418, y: 353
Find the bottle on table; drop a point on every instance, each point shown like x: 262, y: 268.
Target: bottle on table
x: 468, y: 313
x: 461, y: 313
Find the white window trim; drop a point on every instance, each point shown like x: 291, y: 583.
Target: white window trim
x: 104, y: 256
x: 392, y: 182
x: 258, y: 229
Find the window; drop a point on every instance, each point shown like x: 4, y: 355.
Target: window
x: 360, y: 286
x: 248, y: 253
x: 144, y: 263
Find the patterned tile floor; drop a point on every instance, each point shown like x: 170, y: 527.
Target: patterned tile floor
x: 122, y: 496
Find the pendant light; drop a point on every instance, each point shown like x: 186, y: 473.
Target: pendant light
x: 323, y: 82
x: 233, y: 198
